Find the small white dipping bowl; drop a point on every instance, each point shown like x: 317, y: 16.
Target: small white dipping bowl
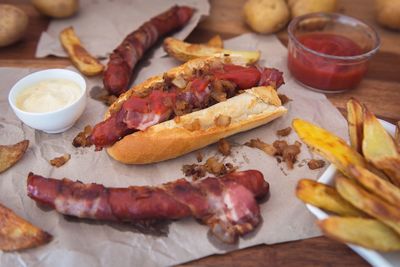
x: 55, y: 121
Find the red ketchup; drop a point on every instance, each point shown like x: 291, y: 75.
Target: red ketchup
x: 325, y: 73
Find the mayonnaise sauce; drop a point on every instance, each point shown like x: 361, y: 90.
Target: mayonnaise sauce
x: 48, y: 95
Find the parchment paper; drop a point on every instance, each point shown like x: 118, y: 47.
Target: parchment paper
x: 103, y: 24
x: 84, y: 243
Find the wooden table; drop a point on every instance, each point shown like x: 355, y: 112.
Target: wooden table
x: 380, y: 91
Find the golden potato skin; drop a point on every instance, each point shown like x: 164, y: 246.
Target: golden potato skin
x: 266, y: 16
x: 302, y: 7
x: 13, y: 24
x: 387, y: 13
x: 56, y: 8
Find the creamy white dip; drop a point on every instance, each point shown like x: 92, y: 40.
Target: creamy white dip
x: 48, y: 95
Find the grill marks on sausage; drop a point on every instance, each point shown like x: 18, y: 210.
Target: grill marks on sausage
x: 226, y: 204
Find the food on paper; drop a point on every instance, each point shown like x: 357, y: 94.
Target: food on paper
x: 325, y: 197
x: 60, y: 161
x: 11, y: 154
x: 287, y: 153
x: 266, y: 16
x: 224, y: 147
x: 48, y: 95
x: 212, y: 165
x: 123, y: 59
x: 376, y: 185
x: 355, y: 114
x: 81, y: 139
x: 13, y: 24
x: 369, y: 203
x: 16, y: 233
x: 387, y: 13
x: 183, y: 51
x: 303, y: 7
x: 284, y: 99
x: 284, y: 132
x: 56, y: 8
x: 79, y: 56
x: 380, y: 149
x: 161, y: 118
x: 368, y: 233
x: 227, y: 204
x: 267, y: 148
x: 314, y: 164
x: 216, y: 41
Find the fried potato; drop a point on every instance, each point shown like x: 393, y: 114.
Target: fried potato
x: 325, y: 197
x: 355, y: 122
x: 369, y: 203
x: 364, y: 232
x: 81, y: 58
x: 9, y: 155
x: 376, y: 185
x: 16, y: 233
x: 379, y: 148
x: 185, y: 51
x: 331, y: 147
x: 216, y: 42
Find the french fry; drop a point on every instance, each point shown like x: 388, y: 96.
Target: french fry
x: 16, y: 233
x: 325, y: 197
x: 364, y: 232
x: 331, y: 147
x: 355, y: 122
x: 379, y: 148
x: 216, y: 42
x: 185, y: 51
x: 369, y: 203
x: 376, y: 185
x: 81, y: 58
x: 9, y: 155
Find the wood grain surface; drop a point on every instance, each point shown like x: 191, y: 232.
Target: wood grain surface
x: 380, y: 91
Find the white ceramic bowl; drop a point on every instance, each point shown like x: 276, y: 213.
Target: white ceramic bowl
x: 55, y: 121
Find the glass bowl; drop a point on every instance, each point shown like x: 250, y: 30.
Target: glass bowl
x: 329, y: 52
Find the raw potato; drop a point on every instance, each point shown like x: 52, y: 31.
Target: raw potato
x: 57, y: 8
x: 302, y: 7
x: 266, y: 16
x: 13, y: 24
x: 387, y: 13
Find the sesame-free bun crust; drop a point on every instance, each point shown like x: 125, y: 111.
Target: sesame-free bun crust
x: 173, y: 138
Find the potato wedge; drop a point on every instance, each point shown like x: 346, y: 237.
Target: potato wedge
x: 81, y: 58
x: 185, y: 51
x: 16, y: 233
x: 216, y: 42
x: 369, y: 203
x: 368, y: 233
x: 9, y: 155
x: 331, y: 147
x: 355, y: 122
x: 325, y: 197
x: 379, y: 148
x: 376, y: 185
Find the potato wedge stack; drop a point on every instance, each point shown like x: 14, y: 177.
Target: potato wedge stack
x: 366, y: 197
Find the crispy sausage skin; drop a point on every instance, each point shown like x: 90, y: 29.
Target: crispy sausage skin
x: 124, y: 58
x: 227, y: 204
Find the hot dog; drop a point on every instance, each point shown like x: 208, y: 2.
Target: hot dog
x: 124, y: 58
x: 189, y: 107
x: 226, y: 204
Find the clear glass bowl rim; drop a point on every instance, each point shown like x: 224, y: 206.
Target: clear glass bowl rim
x: 334, y: 16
